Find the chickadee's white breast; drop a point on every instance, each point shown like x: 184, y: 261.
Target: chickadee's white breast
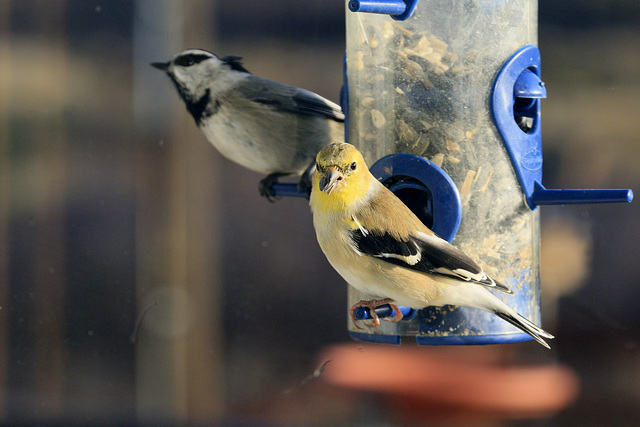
x: 263, y: 139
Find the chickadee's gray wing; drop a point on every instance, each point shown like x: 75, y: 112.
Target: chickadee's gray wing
x: 422, y: 252
x: 288, y: 98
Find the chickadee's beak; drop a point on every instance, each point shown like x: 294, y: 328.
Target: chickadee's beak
x: 162, y: 66
x: 330, y: 179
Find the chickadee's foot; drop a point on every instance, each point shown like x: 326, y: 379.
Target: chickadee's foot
x: 372, y: 305
x: 266, y: 183
x: 306, y: 179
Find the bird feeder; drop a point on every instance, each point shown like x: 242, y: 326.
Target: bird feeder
x: 443, y: 99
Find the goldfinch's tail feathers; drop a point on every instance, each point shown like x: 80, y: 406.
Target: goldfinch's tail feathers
x: 526, y: 326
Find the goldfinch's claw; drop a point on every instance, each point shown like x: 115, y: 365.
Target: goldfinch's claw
x: 353, y: 316
x: 374, y: 322
x: 372, y: 305
x: 398, y: 315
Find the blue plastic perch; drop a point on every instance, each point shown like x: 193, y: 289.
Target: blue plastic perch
x: 383, y: 311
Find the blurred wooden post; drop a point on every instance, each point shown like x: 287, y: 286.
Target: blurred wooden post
x: 204, y: 236
x: 47, y: 265
x: 5, y: 75
x: 43, y: 350
x: 159, y: 363
x: 179, y: 355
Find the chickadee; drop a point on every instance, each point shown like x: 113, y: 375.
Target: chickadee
x: 377, y: 244
x: 261, y: 124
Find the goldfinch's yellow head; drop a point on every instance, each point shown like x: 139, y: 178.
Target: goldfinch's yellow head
x: 341, y: 177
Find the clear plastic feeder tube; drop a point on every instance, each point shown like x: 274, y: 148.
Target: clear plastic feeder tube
x: 423, y: 86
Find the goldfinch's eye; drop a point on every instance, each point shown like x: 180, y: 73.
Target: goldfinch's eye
x: 353, y: 166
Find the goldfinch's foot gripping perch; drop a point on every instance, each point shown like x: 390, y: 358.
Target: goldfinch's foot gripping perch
x: 372, y: 305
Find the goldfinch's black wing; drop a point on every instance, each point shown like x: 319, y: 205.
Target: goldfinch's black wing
x: 422, y: 252
x: 288, y: 98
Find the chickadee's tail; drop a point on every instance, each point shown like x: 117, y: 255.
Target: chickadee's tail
x: 525, y: 325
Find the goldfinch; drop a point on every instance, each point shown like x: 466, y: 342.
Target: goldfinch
x: 383, y: 250
x: 261, y: 124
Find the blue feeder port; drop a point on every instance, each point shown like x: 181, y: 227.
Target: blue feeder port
x: 515, y: 106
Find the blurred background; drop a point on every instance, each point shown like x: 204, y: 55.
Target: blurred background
x: 142, y: 278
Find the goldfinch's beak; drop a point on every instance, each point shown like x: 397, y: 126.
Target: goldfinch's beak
x: 163, y: 66
x: 330, y: 179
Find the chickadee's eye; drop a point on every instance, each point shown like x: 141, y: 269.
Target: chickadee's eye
x: 185, y: 62
x: 353, y: 166
x: 190, y: 59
